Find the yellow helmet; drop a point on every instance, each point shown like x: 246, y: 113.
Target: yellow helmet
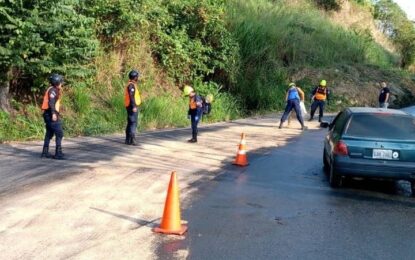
x: 292, y: 84
x: 187, y: 90
x: 209, y: 98
x: 323, y: 83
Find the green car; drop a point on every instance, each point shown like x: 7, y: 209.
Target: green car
x: 370, y: 143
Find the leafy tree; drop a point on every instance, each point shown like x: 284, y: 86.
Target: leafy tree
x: 41, y: 36
x: 191, y: 40
x: 188, y: 38
x: 116, y: 22
x: 399, y: 28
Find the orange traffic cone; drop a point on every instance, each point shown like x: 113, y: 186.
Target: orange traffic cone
x: 171, y: 221
x: 241, y: 158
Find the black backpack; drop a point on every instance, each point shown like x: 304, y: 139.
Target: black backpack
x: 206, y: 107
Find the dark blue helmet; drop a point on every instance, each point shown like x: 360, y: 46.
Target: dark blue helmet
x: 133, y: 74
x: 55, y: 79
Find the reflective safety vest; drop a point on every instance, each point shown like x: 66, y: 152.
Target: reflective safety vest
x: 321, y: 94
x: 137, y: 97
x: 45, y: 104
x: 192, y: 103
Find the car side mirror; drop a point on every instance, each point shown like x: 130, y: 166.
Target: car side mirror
x: 324, y: 124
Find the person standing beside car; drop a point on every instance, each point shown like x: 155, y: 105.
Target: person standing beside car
x: 384, y: 95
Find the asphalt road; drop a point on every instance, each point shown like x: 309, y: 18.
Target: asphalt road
x: 281, y: 207
x: 103, y: 201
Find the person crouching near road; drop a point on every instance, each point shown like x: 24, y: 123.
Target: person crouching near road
x: 195, y: 110
x: 384, y: 95
x: 53, y: 124
x: 132, y: 101
x: 320, y: 95
x: 293, y: 102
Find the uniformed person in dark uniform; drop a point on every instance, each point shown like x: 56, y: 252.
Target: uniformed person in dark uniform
x: 132, y: 100
x: 195, y: 111
x: 51, y: 108
x: 321, y: 94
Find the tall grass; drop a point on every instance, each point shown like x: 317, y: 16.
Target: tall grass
x: 96, y: 106
x: 16, y: 127
x: 225, y: 106
x: 274, y: 38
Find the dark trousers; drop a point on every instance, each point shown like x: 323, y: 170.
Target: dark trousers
x: 195, y: 117
x: 320, y: 104
x: 53, y: 128
x: 132, y: 121
x: 292, y: 104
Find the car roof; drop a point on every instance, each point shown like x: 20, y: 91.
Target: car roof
x: 369, y: 110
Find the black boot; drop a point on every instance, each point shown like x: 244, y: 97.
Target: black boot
x: 58, y: 153
x: 128, y: 140
x: 133, y: 141
x: 45, y: 152
x: 319, y: 119
x: 194, y: 138
x: 280, y: 125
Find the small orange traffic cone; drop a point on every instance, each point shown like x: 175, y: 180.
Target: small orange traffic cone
x: 171, y: 221
x: 241, y: 158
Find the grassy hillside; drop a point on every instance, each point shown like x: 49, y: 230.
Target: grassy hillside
x: 276, y: 39
x: 243, y: 52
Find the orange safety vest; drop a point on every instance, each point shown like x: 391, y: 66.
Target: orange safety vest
x: 45, y: 104
x: 137, y: 97
x: 192, y: 103
x: 321, y: 94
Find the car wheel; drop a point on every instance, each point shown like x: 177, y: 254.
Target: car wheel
x: 413, y: 188
x: 335, y: 179
x: 325, y: 162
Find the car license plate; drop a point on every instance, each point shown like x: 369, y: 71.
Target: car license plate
x: 382, y: 154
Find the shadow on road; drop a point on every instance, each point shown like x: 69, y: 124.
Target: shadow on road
x: 21, y: 167
x: 139, y: 222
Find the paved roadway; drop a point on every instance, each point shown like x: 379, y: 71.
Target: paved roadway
x: 281, y: 207
x: 102, y: 202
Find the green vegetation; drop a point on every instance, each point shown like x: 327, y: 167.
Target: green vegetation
x: 396, y: 25
x: 274, y: 39
x: 329, y: 4
x: 242, y: 52
x: 40, y: 36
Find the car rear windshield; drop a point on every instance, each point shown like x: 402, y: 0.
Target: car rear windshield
x: 383, y: 126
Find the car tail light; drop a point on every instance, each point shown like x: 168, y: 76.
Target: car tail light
x: 341, y: 149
